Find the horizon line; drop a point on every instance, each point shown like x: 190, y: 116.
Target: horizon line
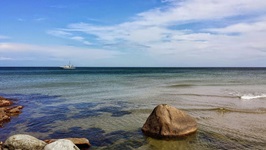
x: 131, y: 67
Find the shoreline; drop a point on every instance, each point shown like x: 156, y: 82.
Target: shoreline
x: 7, y: 110
x: 100, y: 138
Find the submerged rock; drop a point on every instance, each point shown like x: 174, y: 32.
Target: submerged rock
x: 168, y: 122
x: 61, y: 144
x: 6, y: 111
x: 14, y: 110
x: 23, y: 142
x: 3, y: 117
x: 4, y: 102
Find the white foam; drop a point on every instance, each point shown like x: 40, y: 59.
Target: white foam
x: 251, y: 96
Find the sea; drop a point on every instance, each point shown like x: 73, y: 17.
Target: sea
x: 109, y: 106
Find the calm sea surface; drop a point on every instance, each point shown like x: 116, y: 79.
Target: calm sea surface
x: 109, y: 105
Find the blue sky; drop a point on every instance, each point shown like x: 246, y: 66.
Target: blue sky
x: 133, y: 33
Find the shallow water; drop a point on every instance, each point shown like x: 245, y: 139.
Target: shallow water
x: 109, y: 105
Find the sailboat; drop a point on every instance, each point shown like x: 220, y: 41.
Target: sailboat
x: 69, y: 66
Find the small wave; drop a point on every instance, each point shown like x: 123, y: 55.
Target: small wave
x: 181, y: 85
x: 248, y: 95
x: 251, y: 96
x: 225, y: 110
x: 206, y: 95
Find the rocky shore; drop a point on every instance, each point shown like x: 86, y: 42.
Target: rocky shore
x: 27, y: 142
x: 164, y: 122
x: 7, y: 110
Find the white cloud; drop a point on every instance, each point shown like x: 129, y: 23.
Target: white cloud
x: 153, y: 30
x: 242, y: 28
x: 193, y: 10
x: 78, y: 38
x: 59, y: 33
x: 61, y: 52
x: 5, y: 58
x: 2, y: 37
x: 59, y: 6
x: 153, y: 24
x: 109, y: 33
x: 167, y: 1
x: 67, y: 35
x: 81, y: 39
x: 40, y: 19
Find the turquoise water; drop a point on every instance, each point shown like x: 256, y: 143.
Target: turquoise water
x: 109, y: 105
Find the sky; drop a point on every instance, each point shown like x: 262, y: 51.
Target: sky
x: 133, y: 33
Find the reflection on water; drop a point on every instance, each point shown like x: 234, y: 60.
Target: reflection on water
x: 177, y: 144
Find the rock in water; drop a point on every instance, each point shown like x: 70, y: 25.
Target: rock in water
x: 23, y: 142
x: 81, y: 143
x: 6, y: 111
x: 168, y: 122
x: 61, y: 144
x: 4, y: 102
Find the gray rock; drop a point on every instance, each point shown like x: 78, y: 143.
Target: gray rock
x: 23, y: 142
x: 79, y: 142
x: 168, y: 122
x: 61, y: 144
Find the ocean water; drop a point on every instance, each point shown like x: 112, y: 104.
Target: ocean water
x: 109, y: 105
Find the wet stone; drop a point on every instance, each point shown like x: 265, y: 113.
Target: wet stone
x: 168, y: 122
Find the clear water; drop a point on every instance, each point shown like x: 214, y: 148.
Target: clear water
x: 109, y: 105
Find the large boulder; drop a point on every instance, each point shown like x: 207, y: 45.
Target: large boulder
x: 168, y: 122
x: 23, y: 142
x: 61, y: 144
